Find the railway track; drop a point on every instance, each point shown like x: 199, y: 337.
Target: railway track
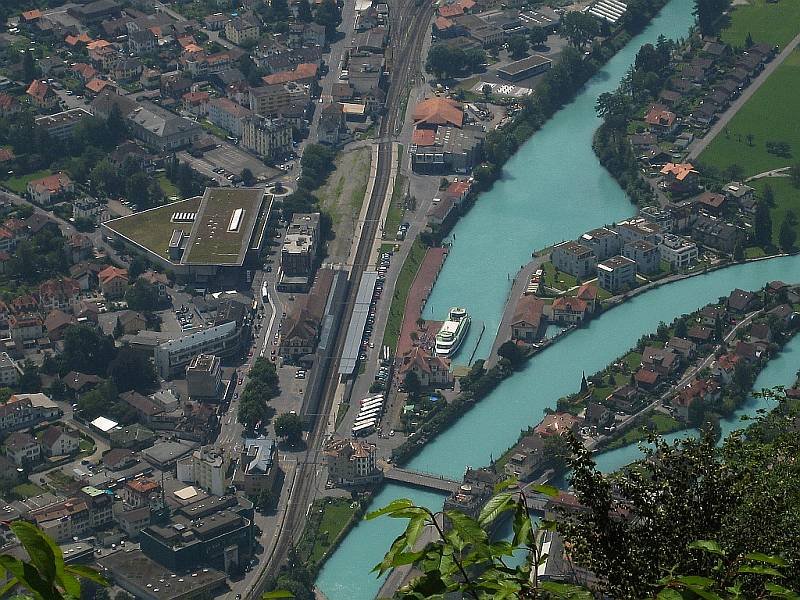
x: 407, y: 40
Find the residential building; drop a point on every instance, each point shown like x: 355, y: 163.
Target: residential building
x: 131, y: 321
x: 172, y: 356
x: 25, y: 327
x: 717, y: 233
x: 22, y: 449
x: 558, y: 424
x: 698, y: 390
x: 303, y: 73
x: 57, y: 441
x: 661, y: 120
x: 332, y: 125
x: 113, y: 281
x: 604, y: 242
x: 204, y: 377
x: 351, y: 462
x: 41, y: 94
x: 300, y: 244
x: 258, y: 468
x: 302, y: 327
x: 10, y: 372
x: 278, y: 98
x: 27, y: 410
x: 529, y: 457
x: 58, y: 294
x: 269, y: 138
x: 228, y: 115
x: 680, y: 178
x: 638, y: 229
x: 142, y: 41
x: 51, y: 188
x: 432, y: 371
x: 9, y: 105
x: 196, y: 103
x: 645, y: 254
x: 569, y: 310
x: 616, y: 273
x: 241, y: 29
x: 61, y: 125
x: 741, y: 301
x: 205, y: 468
x: 624, y: 399
x: 573, y: 258
x: 679, y: 252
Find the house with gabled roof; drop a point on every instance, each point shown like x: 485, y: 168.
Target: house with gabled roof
x: 58, y: 441
x: 41, y: 94
x: 113, y: 281
x: 431, y: 370
x: 51, y: 188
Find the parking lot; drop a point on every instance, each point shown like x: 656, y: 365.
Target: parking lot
x: 227, y: 161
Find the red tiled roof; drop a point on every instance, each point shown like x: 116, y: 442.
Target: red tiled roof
x: 439, y: 111
x: 646, y: 376
x: 195, y: 97
x: 6, y: 154
x: 301, y: 71
x: 7, y: 102
x: 97, y: 44
x: 556, y: 424
x: 97, y: 85
x: 658, y: 115
x: 52, y: 183
x: 680, y: 170
x: 423, y: 137
x: 570, y: 304
x: 86, y: 71
x: 587, y: 292
x: 441, y: 23
x: 32, y: 15
x: 111, y: 273
x: 450, y: 10
x: 529, y: 310
x: 38, y: 90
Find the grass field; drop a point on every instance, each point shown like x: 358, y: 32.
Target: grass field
x: 564, y: 281
x: 26, y: 490
x: 153, y: 228
x: 169, y: 188
x: 326, y: 521
x: 395, y: 213
x: 767, y: 116
x: 768, y: 23
x: 19, y: 184
x: 403, y: 284
x: 657, y: 422
x: 787, y: 197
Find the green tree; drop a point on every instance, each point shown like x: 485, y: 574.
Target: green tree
x: 44, y: 576
x: 247, y: 177
x: 537, y: 36
x: 86, y: 350
x: 132, y: 370
x: 142, y: 296
x: 788, y: 231
x: 762, y: 225
x: 29, y: 69
x: 708, y: 13
x: 328, y: 15
x: 577, y: 28
x: 137, y: 191
x: 290, y: 427
x: 681, y: 328
x: 411, y: 384
x: 517, y: 46
x: 794, y: 175
x: 511, y: 352
x: 119, y: 330
x: 304, y: 11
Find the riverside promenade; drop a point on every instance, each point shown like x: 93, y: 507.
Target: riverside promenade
x: 418, y: 295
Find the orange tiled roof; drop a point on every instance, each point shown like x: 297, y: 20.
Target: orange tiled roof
x: 38, y: 89
x: 97, y: 85
x: 111, y: 273
x: 301, y: 71
x: 423, y: 137
x: 98, y: 44
x: 53, y: 183
x: 450, y: 10
x: 680, y: 170
x: 439, y: 111
x: 32, y: 15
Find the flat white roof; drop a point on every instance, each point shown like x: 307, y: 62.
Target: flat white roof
x: 186, y: 493
x: 103, y: 424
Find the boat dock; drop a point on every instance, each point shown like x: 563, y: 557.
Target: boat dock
x: 418, y: 294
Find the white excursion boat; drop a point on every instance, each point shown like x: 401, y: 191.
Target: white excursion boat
x: 452, y: 332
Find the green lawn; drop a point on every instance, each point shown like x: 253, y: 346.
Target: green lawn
x: 213, y: 129
x: 169, y: 188
x: 754, y: 252
x: 336, y: 513
x: 768, y: 23
x: 26, y: 490
x: 19, y: 183
x: 564, y: 281
x: 153, y: 228
x: 787, y: 197
x: 403, y: 284
x: 768, y: 116
x: 658, y: 422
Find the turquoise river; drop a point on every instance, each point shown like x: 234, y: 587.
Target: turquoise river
x: 553, y: 189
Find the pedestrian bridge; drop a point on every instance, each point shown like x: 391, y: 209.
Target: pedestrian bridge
x: 419, y: 479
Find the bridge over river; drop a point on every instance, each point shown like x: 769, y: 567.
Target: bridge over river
x: 437, y: 483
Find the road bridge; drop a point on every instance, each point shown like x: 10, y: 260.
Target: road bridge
x: 437, y: 483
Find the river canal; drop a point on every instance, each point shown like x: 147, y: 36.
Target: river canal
x: 553, y: 189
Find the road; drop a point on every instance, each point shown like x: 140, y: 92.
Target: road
x: 213, y: 36
x: 411, y: 34
x: 690, y: 374
x: 697, y: 147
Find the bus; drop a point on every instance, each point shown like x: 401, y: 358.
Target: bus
x: 360, y: 420
x: 371, y: 404
x: 264, y: 293
x: 363, y: 429
x: 371, y: 399
x: 369, y: 414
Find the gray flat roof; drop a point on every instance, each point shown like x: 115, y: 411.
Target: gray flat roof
x: 524, y: 64
x: 358, y: 321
